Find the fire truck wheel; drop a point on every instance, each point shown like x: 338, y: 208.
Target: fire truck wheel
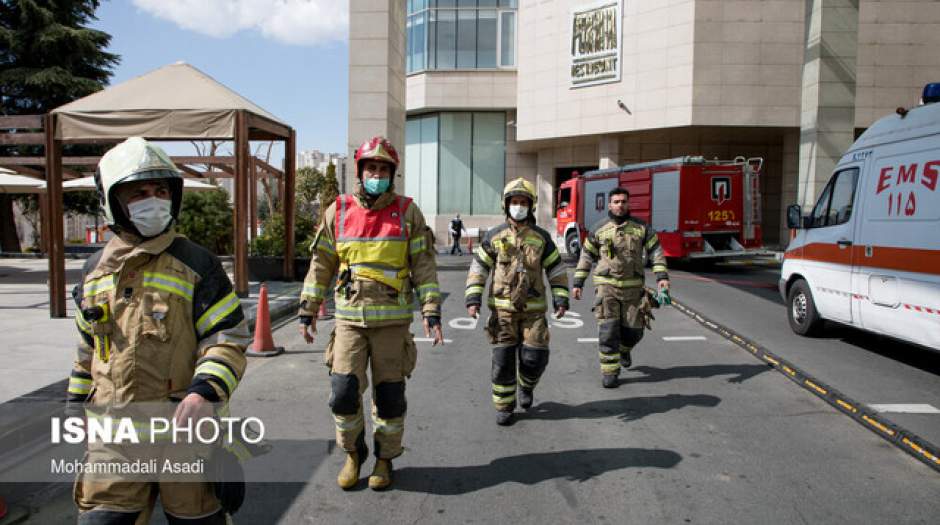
x: 803, y: 317
x: 573, y: 244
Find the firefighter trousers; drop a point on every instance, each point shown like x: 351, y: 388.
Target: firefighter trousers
x: 619, y: 325
x: 516, y: 338
x: 391, y: 354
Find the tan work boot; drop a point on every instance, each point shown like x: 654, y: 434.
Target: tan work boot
x: 349, y: 476
x: 381, y: 476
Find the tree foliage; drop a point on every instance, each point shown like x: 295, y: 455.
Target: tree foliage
x: 206, y: 218
x: 48, y: 54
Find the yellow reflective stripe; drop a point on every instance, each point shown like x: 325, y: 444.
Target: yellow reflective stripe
x: 78, y: 385
x: 659, y: 268
x: 217, y: 313
x: 103, y: 341
x: 652, y: 242
x: 428, y: 291
x: 589, y: 246
x: 504, y: 389
x: 485, y: 257
x: 325, y: 246
x: 610, y: 368
x: 82, y: 324
x: 418, y: 245
x: 503, y: 400
x: 626, y: 283
x: 97, y: 286
x: 560, y: 292
x: 314, y: 290
x: 552, y: 258
x: 533, y: 241
x: 373, y: 313
x: 169, y: 283
x: 386, y: 426
x: 581, y: 274
x: 506, y: 303
x: 608, y: 358
x: 345, y: 423
x: 474, y: 290
x: 220, y: 371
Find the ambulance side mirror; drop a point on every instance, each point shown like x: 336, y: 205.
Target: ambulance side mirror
x: 794, y: 217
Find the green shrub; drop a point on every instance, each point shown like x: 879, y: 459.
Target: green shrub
x: 206, y: 218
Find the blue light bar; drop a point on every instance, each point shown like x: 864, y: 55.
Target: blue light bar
x: 931, y: 93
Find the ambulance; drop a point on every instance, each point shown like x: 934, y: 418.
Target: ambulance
x: 868, y: 255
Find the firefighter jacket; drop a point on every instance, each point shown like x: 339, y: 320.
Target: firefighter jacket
x: 381, y: 254
x: 620, y: 247
x: 158, y: 319
x: 517, y: 256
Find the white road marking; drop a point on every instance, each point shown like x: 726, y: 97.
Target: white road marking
x: 587, y: 339
x: 909, y: 408
x: 685, y: 338
x: 430, y: 340
x: 464, y: 323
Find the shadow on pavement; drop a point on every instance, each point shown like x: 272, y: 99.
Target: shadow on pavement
x: 530, y: 469
x: 901, y: 351
x: 653, y: 374
x: 759, y: 281
x: 626, y: 410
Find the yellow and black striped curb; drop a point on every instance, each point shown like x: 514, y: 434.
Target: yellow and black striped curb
x: 864, y: 415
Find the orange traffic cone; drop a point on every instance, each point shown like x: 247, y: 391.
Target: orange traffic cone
x: 323, y: 313
x: 3, y: 508
x: 263, y: 345
x: 470, y: 245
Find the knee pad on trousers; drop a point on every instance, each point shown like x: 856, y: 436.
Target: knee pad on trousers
x: 630, y: 336
x: 534, y: 359
x: 608, y: 334
x: 344, y: 398
x: 215, y: 519
x: 390, y: 399
x: 107, y: 517
x: 504, y: 365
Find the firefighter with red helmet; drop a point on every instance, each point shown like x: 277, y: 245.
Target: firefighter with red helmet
x: 380, y: 250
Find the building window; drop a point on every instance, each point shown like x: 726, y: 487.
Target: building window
x: 456, y: 162
x: 460, y: 34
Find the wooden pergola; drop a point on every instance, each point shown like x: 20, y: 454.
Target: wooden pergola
x: 173, y: 103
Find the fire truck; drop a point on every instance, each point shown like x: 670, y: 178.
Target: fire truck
x: 700, y: 208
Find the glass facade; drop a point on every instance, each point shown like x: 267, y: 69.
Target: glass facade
x: 460, y: 34
x: 455, y: 162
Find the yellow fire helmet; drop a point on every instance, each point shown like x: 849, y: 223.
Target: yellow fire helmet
x: 522, y: 187
x: 133, y: 160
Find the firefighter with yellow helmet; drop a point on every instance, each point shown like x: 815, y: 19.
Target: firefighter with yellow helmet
x: 378, y: 247
x: 158, y: 322
x: 516, y: 254
x: 619, y: 245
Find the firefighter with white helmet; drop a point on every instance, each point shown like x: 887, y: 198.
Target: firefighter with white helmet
x: 619, y: 245
x: 159, y: 323
x: 377, y: 245
x: 517, y: 253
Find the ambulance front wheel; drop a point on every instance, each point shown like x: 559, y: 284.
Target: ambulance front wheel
x: 573, y: 243
x: 803, y: 317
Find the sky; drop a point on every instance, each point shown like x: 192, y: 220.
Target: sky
x: 289, y: 57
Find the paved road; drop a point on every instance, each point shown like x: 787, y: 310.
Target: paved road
x: 699, y: 432
x: 869, y: 368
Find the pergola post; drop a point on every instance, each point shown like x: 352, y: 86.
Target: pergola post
x: 252, y: 198
x: 290, y: 159
x: 55, y: 236
x: 242, y: 153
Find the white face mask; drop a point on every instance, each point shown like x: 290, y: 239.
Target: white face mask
x: 151, y: 215
x: 518, y: 212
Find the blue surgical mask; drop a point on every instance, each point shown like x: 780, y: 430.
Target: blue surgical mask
x: 375, y: 186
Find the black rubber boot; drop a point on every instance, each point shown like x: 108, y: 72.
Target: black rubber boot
x: 610, y: 381
x: 504, y: 419
x: 525, y: 398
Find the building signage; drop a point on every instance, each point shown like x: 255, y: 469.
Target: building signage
x: 595, y: 43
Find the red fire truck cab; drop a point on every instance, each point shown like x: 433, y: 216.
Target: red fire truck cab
x: 700, y: 208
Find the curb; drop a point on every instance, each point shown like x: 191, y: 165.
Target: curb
x: 911, y: 443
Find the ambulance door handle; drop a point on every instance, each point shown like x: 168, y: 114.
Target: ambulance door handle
x: 844, y: 243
